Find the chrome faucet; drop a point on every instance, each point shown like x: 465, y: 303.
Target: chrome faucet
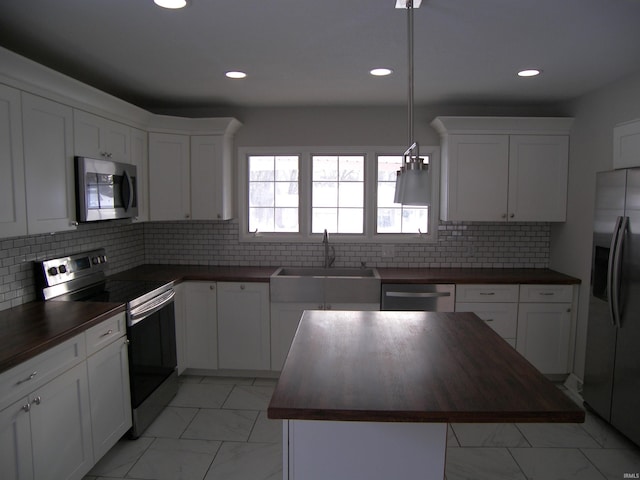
x: 328, y: 258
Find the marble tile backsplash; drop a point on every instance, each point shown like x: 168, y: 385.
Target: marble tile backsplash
x: 460, y: 244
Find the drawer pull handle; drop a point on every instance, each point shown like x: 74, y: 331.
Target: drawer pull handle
x: 488, y: 319
x: 547, y: 294
x: 37, y: 400
x: 30, y: 377
x: 26, y: 407
x: 107, y: 333
x: 487, y: 293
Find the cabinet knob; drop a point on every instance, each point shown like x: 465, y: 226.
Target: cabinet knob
x: 212, y: 287
x: 186, y: 215
x: 37, y: 400
x: 512, y: 215
x: 504, y: 215
x: 26, y: 407
x: 242, y: 287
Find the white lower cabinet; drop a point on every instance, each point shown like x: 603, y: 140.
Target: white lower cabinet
x: 243, y: 326
x: 495, y: 304
x: 109, y: 392
x: 544, y: 326
x: 61, y: 410
x: 200, y: 326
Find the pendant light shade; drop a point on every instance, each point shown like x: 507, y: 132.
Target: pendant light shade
x: 412, y: 180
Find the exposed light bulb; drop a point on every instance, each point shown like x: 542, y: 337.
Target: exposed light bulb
x: 172, y: 4
x: 236, y: 74
x: 381, y: 72
x: 530, y: 72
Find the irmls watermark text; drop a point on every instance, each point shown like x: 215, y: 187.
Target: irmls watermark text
x: 631, y: 475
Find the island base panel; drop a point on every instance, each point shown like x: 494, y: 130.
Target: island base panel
x: 318, y: 450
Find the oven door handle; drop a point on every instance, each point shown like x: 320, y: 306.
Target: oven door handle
x: 149, y: 308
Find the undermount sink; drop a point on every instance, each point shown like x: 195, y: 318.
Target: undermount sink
x: 325, y: 272
x: 325, y: 285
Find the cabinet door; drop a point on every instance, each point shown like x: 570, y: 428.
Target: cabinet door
x: 169, y: 197
x: 98, y: 137
x: 543, y: 335
x: 243, y: 326
x: 61, y: 427
x: 211, y: 180
x: 501, y: 317
x: 285, y: 318
x: 16, y: 458
x: 538, y: 172
x: 475, y: 178
x: 13, y: 214
x: 200, y: 325
x: 140, y: 158
x: 48, y: 159
x: 109, y: 395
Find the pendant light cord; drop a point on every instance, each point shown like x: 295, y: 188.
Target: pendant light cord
x: 412, y: 145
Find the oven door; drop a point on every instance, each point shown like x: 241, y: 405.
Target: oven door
x: 105, y: 190
x: 152, y: 352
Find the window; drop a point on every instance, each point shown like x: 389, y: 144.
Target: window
x: 294, y: 194
x: 394, y: 217
x: 337, y: 193
x: 273, y: 193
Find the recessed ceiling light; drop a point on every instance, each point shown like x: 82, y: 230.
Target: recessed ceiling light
x: 381, y: 72
x: 530, y: 72
x: 172, y: 4
x: 236, y: 74
x: 403, y: 3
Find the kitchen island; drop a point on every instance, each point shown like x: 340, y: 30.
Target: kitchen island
x: 368, y: 395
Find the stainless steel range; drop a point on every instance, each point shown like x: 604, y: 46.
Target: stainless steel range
x: 150, y: 324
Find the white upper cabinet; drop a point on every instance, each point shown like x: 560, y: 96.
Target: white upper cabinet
x: 48, y: 159
x: 191, y: 169
x: 169, y: 177
x: 98, y: 137
x: 13, y: 216
x: 504, y: 168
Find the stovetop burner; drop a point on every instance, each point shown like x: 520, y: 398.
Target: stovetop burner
x: 117, y: 291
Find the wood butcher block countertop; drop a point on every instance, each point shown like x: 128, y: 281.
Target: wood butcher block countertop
x: 411, y: 367
x: 476, y: 275
x: 34, y: 327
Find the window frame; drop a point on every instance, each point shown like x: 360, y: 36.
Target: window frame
x: 370, y: 195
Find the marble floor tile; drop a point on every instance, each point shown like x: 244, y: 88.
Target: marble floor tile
x: 175, y: 459
x: 555, y: 463
x: 247, y: 461
x: 481, y: 464
x: 216, y: 380
x: 171, y: 423
x: 266, y: 430
x: 489, y: 435
x: 218, y: 424
x: 563, y: 435
x: 190, y: 378
x: 201, y: 395
x: 119, y: 460
x: 604, y: 434
x: 615, y: 463
x: 249, y: 397
x: 265, y: 382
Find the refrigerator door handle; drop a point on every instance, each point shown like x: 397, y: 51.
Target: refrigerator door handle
x: 616, y: 268
x: 610, y: 278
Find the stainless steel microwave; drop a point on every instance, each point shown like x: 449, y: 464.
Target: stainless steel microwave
x: 105, y: 190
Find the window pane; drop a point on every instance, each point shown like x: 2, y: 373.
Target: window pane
x: 393, y: 217
x: 325, y: 194
x: 273, y: 193
x: 261, y: 168
x: 351, y: 195
x: 324, y: 218
x: 261, y: 194
x: 352, y: 168
x: 350, y: 220
x: 325, y: 168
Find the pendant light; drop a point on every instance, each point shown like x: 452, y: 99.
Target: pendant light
x: 412, y: 180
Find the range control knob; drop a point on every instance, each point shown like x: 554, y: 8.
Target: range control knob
x: 52, y: 271
x: 62, y: 269
x: 95, y: 260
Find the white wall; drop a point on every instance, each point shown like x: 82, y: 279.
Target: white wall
x: 591, y: 151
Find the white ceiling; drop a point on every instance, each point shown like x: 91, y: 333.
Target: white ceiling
x: 319, y: 52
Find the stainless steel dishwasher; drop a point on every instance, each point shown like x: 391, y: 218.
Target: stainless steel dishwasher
x: 422, y: 297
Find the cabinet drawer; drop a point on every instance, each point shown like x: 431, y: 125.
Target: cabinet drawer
x: 21, y: 380
x: 104, y: 333
x: 546, y: 293
x: 501, y: 317
x: 487, y: 293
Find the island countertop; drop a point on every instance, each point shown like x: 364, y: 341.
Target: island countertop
x: 411, y: 367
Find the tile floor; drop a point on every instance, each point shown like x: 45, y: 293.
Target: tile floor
x: 217, y: 429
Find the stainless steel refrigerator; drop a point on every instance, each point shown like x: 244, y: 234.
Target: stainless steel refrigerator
x: 612, y: 368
